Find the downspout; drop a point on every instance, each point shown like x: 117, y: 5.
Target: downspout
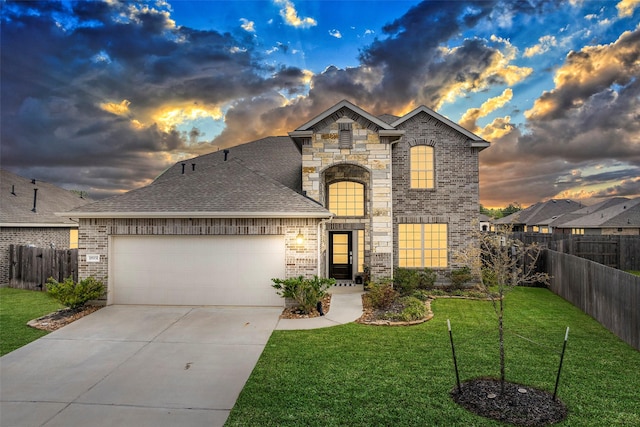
x: 320, y: 224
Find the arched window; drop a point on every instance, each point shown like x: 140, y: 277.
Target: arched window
x: 422, y: 166
x: 346, y: 198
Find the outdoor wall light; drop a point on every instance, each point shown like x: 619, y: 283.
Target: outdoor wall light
x: 300, y: 237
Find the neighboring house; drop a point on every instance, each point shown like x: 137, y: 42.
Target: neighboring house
x: 558, y: 222
x: 618, y: 216
x: 27, y: 216
x: 343, y: 192
x: 537, y: 218
x: 485, y: 222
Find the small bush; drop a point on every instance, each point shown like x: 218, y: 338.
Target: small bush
x: 305, y: 292
x: 381, y: 294
x: 460, y: 277
x: 414, y: 309
x: 407, y: 280
x: 422, y: 294
x: 72, y: 294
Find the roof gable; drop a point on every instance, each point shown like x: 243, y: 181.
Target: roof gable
x: 475, y: 140
x: 338, y: 110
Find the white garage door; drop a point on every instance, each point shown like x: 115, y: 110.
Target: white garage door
x: 196, y: 270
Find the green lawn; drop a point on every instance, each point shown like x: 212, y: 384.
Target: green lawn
x: 17, y: 307
x: 357, y: 375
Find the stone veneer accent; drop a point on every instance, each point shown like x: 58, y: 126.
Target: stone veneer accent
x: 42, y: 237
x: 368, y: 161
x: 455, y: 198
x: 95, y: 233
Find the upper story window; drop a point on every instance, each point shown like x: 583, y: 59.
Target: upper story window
x: 346, y: 198
x: 422, y: 166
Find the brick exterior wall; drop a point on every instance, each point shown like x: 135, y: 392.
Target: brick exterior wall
x: 455, y: 198
x: 94, y: 237
x: 42, y: 237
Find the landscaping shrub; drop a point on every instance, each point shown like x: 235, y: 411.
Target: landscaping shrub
x: 459, y: 278
x: 75, y: 294
x: 381, y: 294
x: 406, y: 280
x: 422, y: 294
x: 305, y: 292
x: 414, y: 309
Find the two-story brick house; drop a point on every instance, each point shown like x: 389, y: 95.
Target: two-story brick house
x: 344, y: 191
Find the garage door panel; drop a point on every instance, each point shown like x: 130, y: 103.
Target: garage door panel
x: 196, y: 270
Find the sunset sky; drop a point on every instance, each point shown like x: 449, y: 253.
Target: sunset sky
x: 103, y: 96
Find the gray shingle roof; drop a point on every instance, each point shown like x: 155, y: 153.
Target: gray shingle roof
x: 563, y: 219
x: 621, y: 215
x: 16, y: 209
x: 275, y: 156
x: 227, y: 189
x: 540, y: 212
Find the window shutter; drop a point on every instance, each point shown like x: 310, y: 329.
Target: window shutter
x: 345, y: 135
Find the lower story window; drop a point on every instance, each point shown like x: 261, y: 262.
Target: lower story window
x: 360, y: 251
x: 73, y: 238
x: 422, y: 245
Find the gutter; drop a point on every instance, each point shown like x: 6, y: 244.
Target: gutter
x: 243, y: 214
x: 38, y: 224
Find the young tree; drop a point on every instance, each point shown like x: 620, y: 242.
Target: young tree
x: 501, y: 262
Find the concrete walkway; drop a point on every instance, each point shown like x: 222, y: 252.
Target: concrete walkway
x: 346, y: 306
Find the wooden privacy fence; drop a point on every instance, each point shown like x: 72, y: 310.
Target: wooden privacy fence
x: 622, y: 252
x: 31, y: 267
x: 610, y: 296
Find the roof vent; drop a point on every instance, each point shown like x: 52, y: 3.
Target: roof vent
x: 193, y: 166
x: 33, y: 181
x: 183, y: 165
x: 13, y: 189
x: 226, y: 153
x: 35, y: 198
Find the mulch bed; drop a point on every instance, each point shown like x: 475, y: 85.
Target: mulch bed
x: 294, y: 313
x: 519, y: 405
x: 60, y: 318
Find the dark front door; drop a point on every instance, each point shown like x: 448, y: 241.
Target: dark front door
x: 340, y: 255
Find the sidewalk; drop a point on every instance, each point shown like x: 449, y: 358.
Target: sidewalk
x: 346, y: 306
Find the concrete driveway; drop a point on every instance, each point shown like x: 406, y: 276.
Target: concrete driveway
x: 136, y: 366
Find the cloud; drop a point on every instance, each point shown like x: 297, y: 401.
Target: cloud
x: 627, y: 7
x: 544, y: 44
x: 335, y: 33
x: 590, y: 118
x: 71, y: 115
x: 106, y: 85
x: 589, y: 71
x: 289, y: 13
x: 247, y: 25
x: 469, y: 118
